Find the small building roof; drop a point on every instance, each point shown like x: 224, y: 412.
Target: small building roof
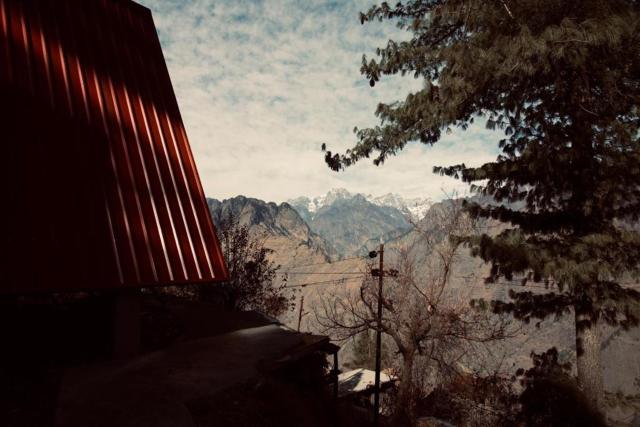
x: 217, y: 351
x: 361, y: 381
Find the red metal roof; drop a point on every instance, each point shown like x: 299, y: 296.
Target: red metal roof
x: 99, y: 186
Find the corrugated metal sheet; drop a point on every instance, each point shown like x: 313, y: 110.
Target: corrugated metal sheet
x: 99, y: 186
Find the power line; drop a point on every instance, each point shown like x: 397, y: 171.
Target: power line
x: 626, y: 285
x: 530, y: 284
x: 324, y: 282
x: 362, y: 275
x: 330, y: 262
x: 301, y: 273
x: 550, y: 287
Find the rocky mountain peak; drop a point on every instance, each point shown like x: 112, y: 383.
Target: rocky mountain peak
x: 349, y: 220
x: 334, y: 195
x: 413, y: 208
x: 281, y: 226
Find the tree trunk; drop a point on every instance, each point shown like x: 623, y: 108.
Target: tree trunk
x: 404, y: 413
x: 588, y: 360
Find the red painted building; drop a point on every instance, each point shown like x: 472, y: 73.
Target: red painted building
x: 98, y: 185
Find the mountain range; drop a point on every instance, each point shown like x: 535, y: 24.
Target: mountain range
x: 279, y: 226
x: 413, y: 208
x: 339, y: 224
x: 351, y: 223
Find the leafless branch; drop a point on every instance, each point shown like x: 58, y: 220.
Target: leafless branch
x: 426, y: 315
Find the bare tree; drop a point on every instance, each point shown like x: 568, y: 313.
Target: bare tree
x: 431, y: 323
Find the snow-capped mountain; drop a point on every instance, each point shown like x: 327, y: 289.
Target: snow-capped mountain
x: 314, y: 204
x: 413, y: 208
x: 349, y: 221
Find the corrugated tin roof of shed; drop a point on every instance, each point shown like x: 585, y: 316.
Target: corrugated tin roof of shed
x: 101, y: 186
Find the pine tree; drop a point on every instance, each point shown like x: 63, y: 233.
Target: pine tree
x: 561, y: 80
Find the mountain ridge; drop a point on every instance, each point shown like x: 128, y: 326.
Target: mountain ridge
x: 414, y: 208
x: 275, y: 223
x: 350, y: 221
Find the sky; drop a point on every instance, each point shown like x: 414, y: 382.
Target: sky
x: 262, y: 84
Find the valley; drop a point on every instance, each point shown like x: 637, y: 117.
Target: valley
x: 321, y: 246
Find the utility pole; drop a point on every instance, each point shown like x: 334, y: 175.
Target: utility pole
x: 300, y: 314
x: 376, y: 396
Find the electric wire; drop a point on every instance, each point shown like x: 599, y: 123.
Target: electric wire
x: 329, y: 262
x: 324, y: 282
x: 302, y: 273
x: 474, y: 286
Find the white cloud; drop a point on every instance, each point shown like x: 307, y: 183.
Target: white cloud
x: 262, y: 84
